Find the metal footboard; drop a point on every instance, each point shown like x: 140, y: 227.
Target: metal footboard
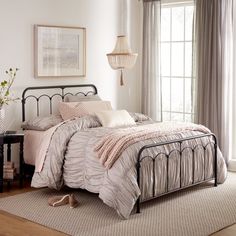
x: 180, y: 150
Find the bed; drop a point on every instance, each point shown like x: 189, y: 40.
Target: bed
x: 124, y: 165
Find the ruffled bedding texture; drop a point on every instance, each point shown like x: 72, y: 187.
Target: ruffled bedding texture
x: 71, y: 159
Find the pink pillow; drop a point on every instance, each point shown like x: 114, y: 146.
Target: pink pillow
x: 70, y: 110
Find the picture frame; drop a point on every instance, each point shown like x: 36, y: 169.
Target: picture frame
x: 59, y: 51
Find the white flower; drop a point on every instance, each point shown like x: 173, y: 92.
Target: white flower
x: 5, y: 95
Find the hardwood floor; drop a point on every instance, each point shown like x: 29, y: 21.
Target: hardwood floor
x: 230, y: 231
x: 11, y: 225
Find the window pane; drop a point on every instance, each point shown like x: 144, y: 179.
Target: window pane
x: 165, y: 59
x: 177, y: 94
x: 188, y: 59
x: 177, y: 117
x: 193, y: 83
x: 166, y: 116
x: 188, y: 95
x: 177, y: 59
x: 176, y: 62
x: 188, y: 22
x: 165, y: 24
x: 178, y: 23
x: 188, y: 118
x: 166, y: 94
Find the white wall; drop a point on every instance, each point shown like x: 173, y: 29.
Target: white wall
x: 102, y: 21
x: 131, y: 92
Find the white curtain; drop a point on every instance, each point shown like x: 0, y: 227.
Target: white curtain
x: 234, y: 80
x: 151, y: 82
x: 232, y: 162
x: 214, y: 80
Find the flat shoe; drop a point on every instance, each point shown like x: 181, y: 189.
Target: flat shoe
x: 58, y: 200
x: 73, y: 201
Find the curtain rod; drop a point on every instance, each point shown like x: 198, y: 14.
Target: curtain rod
x: 165, y: 1
x: 150, y: 0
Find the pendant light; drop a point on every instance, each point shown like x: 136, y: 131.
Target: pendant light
x: 122, y: 57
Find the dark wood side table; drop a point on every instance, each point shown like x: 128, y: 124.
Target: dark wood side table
x: 9, y: 138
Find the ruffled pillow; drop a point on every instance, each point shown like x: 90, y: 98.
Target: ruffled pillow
x: 139, y: 117
x: 42, y: 123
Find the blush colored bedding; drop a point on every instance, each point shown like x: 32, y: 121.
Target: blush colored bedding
x: 32, y: 143
x: 111, y: 147
x: 36, y: 145
x: 70, y: 160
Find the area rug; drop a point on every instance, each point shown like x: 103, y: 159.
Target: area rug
x: 201, y: 210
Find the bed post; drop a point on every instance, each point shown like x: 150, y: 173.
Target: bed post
x: 215, y: 155
x: 138, y: 180
x: 23, y: 109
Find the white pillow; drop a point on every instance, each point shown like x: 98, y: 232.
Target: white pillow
x: 70, y: 110
x: 115, y: 118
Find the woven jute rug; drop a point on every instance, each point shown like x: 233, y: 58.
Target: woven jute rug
x: 201, y: 210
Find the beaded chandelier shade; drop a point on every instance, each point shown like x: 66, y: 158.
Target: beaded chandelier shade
x: 122, y: 57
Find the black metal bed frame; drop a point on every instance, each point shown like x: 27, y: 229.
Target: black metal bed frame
x: 29, y: 169
x: 62, y: 94
x: 140, y: 157
x: 180, y: 151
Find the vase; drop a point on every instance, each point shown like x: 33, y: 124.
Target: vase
x: 2, y: 120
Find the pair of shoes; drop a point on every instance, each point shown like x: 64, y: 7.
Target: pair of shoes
x: 58, y: 200
x: 63, y: 200
x: 73, y: 201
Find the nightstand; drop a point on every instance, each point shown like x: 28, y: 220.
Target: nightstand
x: 9, y: 138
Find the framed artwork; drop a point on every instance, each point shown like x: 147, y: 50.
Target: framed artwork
x: 60, y: 51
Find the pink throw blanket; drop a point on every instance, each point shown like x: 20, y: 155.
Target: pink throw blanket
x: 111, y: 146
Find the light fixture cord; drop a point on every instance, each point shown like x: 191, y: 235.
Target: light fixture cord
x: 124, y: 17
x: 121, y: 78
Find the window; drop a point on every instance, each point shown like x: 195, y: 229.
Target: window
x: 176, y: 62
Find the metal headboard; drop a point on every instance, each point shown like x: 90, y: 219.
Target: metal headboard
x: 61, y: 94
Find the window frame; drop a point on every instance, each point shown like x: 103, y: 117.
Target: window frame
x: 172, y: 4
